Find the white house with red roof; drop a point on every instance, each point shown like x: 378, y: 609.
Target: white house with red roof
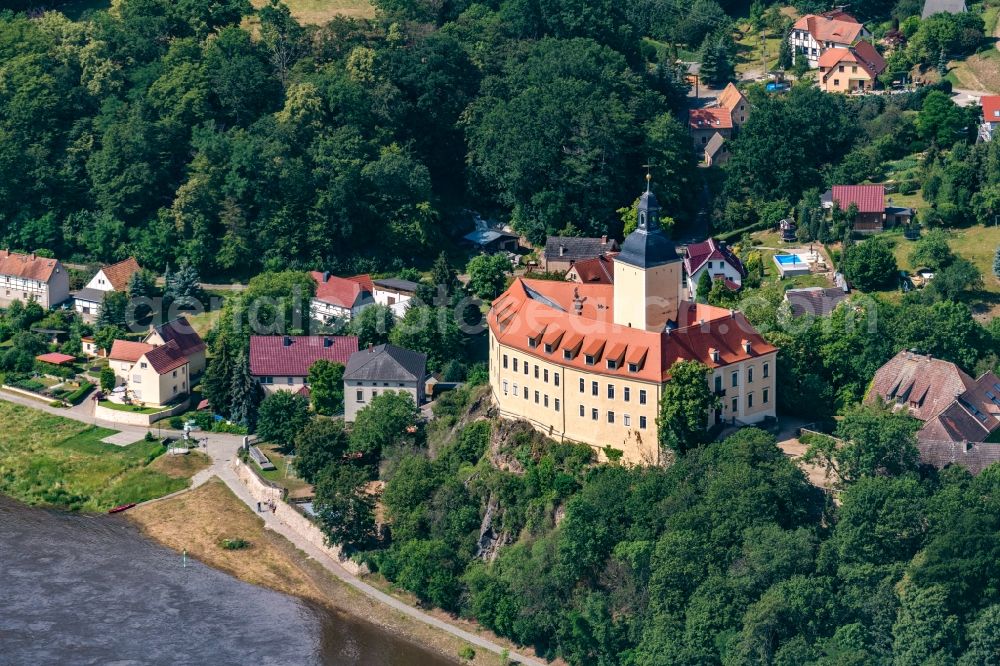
x: 718, y: 260
x: 282, y: 362
x: 991, y: 117
x: 850, y: 69
x: 340, y: 297
x: 29, y: 277
x: 181, y: 332
x: 114, y: 277
x: 152, y: 375
x: 813, y: 34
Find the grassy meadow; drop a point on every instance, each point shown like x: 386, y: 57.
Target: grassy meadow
x: 49, y: 460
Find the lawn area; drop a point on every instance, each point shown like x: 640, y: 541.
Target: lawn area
x: 49, y: 460
x: 980, y: 71
x: 321, y: 11
x: 977, y: 244
x: 118, y: 407
x: 749, y: 55
x: 282, y: 475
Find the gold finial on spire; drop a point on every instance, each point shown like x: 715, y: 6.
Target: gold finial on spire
x: 649, y: 176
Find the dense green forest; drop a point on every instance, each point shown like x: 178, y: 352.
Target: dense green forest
x: 729, y: 556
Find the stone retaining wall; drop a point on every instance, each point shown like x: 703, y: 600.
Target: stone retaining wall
x: 263, y: 491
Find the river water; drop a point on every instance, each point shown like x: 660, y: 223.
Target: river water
x: 85, y: 589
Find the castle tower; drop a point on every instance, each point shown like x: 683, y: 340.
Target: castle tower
x: 647, y: 272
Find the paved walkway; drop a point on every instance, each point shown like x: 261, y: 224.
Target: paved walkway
x: 222, y: 449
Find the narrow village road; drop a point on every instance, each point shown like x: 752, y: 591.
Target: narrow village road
x: 222, y: 449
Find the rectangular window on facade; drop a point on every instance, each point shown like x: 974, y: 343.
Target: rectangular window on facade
x: 545, y: 400
x: 360, y: 396
x: 545, y: 375
x: 735, y: 379
x: 611, y: 417
x: 735, y: 405
x: 750, y: 375
x: 536, y: 397
x: 766, y: 370
x: 505, y: 387
x: 515, y: 364
x: 749, y: 400
x: 555, y: 378
x: 626, y: 394
x: 627, y: 420
x: 581, y: 411
x: 557, y: 404
x: 593, y: 389
x: 525, y: 392
x: 718, y: 383
x: 536, y: 372
x: 642, y: 396
x: 526, y: 364
x: 374, y: 393
x: 764, y: 396
x: 593, y: 414
x: 515, y: 389
x: 583, y: 385
x: 505, y: 361
x: 611, y: 391
x: 642, y: 423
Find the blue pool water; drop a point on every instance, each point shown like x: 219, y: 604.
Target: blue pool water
x: 787, y: 259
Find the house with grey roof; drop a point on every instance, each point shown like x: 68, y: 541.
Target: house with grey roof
x: 932, y: 7
x: 394, y: 293
x: 379, y: 369
x: 562, y: 252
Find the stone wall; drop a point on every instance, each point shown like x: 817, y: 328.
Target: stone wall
x: 264, y: 491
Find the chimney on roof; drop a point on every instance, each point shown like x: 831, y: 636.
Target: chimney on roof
x: 371, y: 348
x: 327, y: 341
x: 562, y: 250
x: 326, y: 276
x: 286, y: 341
x: 746, y: 346
x: 732, y: 313
x: 604, y: 239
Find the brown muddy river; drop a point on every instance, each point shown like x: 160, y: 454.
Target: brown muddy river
x: 82, y: 589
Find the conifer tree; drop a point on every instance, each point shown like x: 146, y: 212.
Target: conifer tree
x: 217, y: 384
x: 184, y: 287
x: 245, y: 393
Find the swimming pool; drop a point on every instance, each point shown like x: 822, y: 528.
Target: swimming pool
x: 791, y: 264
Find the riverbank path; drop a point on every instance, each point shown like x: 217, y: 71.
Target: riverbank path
x: 222, y: 449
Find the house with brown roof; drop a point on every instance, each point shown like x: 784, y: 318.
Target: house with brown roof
x: 813, y: 34
x: 152, y: 375
x: 734, y: 101
x: 180, y: 332
x: 850, y: 69
x: 706, y: 123
x: 114, y: 277
x: 340, y: 298
x: 718, y: 260
x: 873, y: 215
x: 814, y: 301
x: 991, y: 117
x: 588, y: 362
x: 282, y: 362
x: 961, y: 415
x: 562, y: 252
x: 29, y: 277
x: 598, y: 270
x: 716, y: 151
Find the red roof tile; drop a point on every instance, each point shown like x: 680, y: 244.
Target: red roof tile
x: 179, y: 330
x: 529, y: 306
x: 126, y: 350
x: 730, y: 97
x: 339, y: 291
x: 55, y: 358
x: 119, y: 274
x: 28, y: 266
x: 991, y: 108
x: 598, y: 270
x: 924, y: 385
x: 868, y: 198
x: 699, y: 253
x: 166, y: 358
x: 711, y: 118
x: 270, y: 356
x: 839, y: 27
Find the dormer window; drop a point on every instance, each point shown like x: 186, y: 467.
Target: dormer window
x: 589, y: 359
x: 532, y: 342
x: 612, y: 364
x: 548, y: 349
x: 633, y: 367
x: 568, y: 354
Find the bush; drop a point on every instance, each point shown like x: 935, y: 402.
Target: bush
x: 234, y: 544
x: 467, y: 653
x: 75, y: 396
x: 176, y: 422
